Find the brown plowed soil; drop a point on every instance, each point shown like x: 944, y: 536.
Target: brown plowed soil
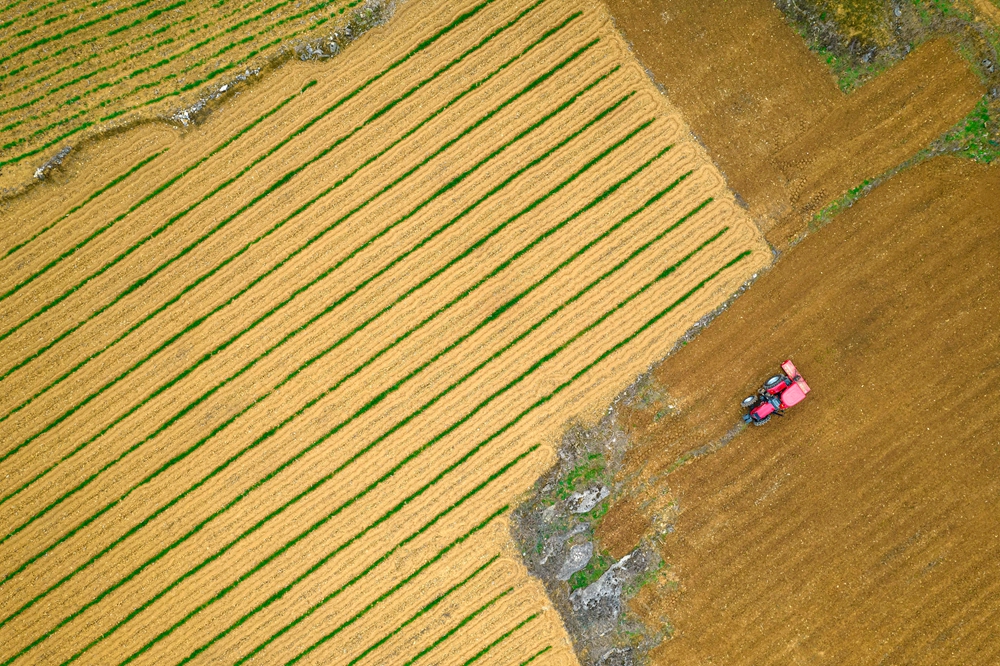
x: 863, y: 527
x: 770, y: 113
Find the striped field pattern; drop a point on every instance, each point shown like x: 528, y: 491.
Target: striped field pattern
x: 70, y: 68
x: 269, y: 387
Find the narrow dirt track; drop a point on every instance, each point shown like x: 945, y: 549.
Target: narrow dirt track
x: 286, y: 412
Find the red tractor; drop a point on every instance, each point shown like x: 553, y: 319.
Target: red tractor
x: 778, y: 394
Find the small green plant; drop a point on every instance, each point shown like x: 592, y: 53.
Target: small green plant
x: 592, y: 469
x: 978, y: 135
x: 598, y: 564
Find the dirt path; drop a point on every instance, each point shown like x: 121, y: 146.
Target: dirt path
x: 284, y: 413
x: 869, y: 511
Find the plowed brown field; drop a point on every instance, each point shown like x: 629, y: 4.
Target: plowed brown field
x: 863, y: 527
x: 268, y: 397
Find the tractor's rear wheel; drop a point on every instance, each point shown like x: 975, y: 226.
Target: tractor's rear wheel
x: 773, y: 381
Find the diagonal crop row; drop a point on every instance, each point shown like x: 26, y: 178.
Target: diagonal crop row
x: 286, y: 338
x: 437, y: 438
x: 440, y: 639
x: 271, y: 431
x: 416, y: 616
x: 374, y: 401
x: 536, y: 655
x: 101, y: 190
x: 465, y: 458
x: 504, y: 636
x: 380, y: 560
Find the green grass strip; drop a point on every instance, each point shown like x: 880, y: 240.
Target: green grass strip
x: 99, y: 192
x: 440, y: 639
x: 374, y: 401
x: 46, y: 146
x: 284, y: 179
x: 27, y: 14
x: 413, y: 618
x: 479, y: 655
x: 326, y: 558
x: 76, y: 28
x: 536, y: 655
x: 245, y: 248
x: 72, y: 250
x: 191, y: 489
x: 280, y: 593
x: 246, y: 367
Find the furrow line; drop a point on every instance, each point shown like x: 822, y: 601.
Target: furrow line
x: 440, y: 639
x: 159, y: 190
x: 374, y: 401
x: 282, y: 591
x: 413, y: 618
x: 99, y: 192
x: 385, y: 556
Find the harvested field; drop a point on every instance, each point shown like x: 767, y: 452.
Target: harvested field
x: 71, y: 69
x: 269, y: 385
x: 862, y: 528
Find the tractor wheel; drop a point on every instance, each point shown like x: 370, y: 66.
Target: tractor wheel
x: 762, y: 421
x: 773, y: 381
x: 748, y: 401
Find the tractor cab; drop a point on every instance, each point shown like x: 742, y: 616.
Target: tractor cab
x: 778, y: 394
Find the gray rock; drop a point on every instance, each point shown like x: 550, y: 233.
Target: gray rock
x: 584, y: 501
x: 579, y: 556
x: 600, y: 603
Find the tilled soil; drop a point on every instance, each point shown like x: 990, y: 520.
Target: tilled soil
x: 770, y: 112
x: 259, y: 394
x: 862, y: 527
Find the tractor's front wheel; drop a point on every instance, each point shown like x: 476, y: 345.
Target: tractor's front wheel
x: 748, y: 401
x: 762, y: 421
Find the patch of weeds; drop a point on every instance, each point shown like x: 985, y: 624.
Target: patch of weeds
x: 977, y: 137
x: 647, y: 577
x: 598, y: 564
x: 591, y: 470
